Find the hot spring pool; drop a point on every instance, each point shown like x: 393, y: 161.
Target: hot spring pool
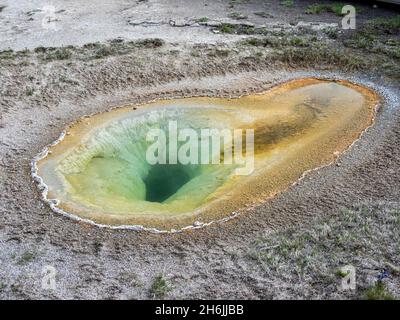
x: 100, y: 171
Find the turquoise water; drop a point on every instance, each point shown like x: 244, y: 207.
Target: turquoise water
x: 110, y: 169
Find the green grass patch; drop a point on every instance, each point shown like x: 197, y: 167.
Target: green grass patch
x: 374, y: 37
x: 160, y: 287
x: 219, y: 53
x: 268, y: 41
x: 237, y: 16
x: 332, y: 33
x: 335, y: 8
x: 231, y: 28
x: 40, y: 49
x: 7, y: 54
x: 361, y: 40
x: 263, y: 14
x: 150, y: 43
x: 299, y: 42
x: 65, y: 79
x: 378, y: 292
x: 27, y: 257
x: 102, y: 52
x: 202, y: 20
x: 319, y: 251
x: 383, y: 25
x: 91, y: 45
x: 29, y: 92
x: 341, y: 274
x: 287, y: 3
x: 57, y: 54
x: 228, y: 28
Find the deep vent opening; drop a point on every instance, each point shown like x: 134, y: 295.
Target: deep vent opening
x: 164, y: 180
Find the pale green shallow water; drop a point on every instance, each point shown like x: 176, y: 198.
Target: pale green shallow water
x: 112, y: 172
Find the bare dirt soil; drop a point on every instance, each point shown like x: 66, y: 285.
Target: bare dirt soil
x: 29, y: 24
x: 290, y: 247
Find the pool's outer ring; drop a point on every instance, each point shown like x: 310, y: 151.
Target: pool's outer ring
x: 53, y: 203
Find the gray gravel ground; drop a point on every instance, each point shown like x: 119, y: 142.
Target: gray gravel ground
x: 33, y: 23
